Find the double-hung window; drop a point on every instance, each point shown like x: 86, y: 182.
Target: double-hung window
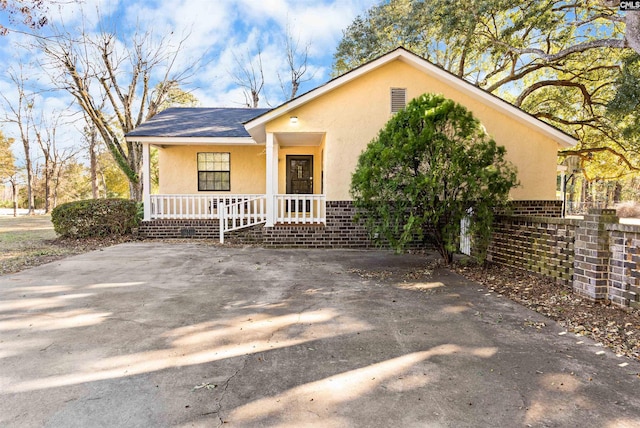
x: 214, y: 171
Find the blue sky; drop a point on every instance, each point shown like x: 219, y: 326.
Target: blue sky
x: 221, y: 29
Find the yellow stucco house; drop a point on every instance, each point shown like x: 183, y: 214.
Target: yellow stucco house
x: 288, y: 169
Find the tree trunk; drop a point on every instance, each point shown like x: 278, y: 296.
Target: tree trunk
x: 135, y: 191
x: 135, y: 163
x: 93, y: 163
x: 14, y: 196
x: 617, y: 192
x: 632, y: 31
x: 30, y: 195
x: 47, y: 185
x: 93, y: 159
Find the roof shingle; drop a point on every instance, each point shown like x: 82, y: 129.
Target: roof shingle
x: 198, y: 122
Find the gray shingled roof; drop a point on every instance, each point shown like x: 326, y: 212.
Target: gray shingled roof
x: 198, y: 122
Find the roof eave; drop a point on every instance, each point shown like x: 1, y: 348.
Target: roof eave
x: 186, y: 141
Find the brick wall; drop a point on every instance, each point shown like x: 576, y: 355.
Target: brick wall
x: 535, y: 208
x: 543, y: 245
x: 340, y: 231
x: 596, y: 256
x: 624, y: 264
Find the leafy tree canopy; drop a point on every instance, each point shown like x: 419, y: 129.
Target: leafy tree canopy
x: 626, y: 104
x: 430, y: 165
x: 560, y: 61
x: 7, y: 159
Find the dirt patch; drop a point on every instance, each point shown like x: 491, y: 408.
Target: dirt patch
x: 615, y: 327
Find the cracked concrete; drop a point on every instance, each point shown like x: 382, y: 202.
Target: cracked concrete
x: 188, y: 334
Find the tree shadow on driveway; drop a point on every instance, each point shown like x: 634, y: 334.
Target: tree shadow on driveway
x: 193, y: 335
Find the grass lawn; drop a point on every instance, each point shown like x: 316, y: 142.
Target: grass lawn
x: 27, y: 241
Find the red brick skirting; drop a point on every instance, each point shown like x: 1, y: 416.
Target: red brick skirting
x: 340, y: 231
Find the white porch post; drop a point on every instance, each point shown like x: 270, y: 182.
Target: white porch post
x: 272, y: 178
x: 146, y: 181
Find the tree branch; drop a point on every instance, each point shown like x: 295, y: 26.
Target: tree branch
x: 544, y: 83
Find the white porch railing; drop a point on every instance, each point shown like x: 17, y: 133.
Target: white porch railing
x: 242, y: 214
x: 296, y: 209
x: 239, y: 211
x: 192, y: 206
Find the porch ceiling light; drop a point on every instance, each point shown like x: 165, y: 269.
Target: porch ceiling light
x: 293, y: 120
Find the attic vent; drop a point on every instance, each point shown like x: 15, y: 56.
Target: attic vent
x: 398, y: 99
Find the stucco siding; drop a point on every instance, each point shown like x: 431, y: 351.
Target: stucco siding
x: 353, y: 114
x: 179, y: 169
x: 350, y: 116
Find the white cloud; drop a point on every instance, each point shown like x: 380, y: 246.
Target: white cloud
x: 205, y: 22
x: 71, y: 14
x: 222, y: 30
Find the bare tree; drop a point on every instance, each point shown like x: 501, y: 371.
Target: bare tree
x: 46, y: 130
x: 32, y: 14
x: 297, y: 65
x: 13, y: 180
x: 19, y: 112
x: 91, y: 134
x: 92, y: 140
x: 61, y: 157
x: 95, y: 67
x: 249, y: 75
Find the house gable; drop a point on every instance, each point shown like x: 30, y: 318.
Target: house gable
x: 256, y: 126
x: 354, y: 111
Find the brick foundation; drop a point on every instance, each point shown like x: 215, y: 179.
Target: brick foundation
x: 340, y: 231
x: 180, y: 229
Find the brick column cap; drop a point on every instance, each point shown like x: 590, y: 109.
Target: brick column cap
x: 602, y: 211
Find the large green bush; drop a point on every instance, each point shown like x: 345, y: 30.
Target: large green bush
x: 430, y: 166
x: 95, y: 218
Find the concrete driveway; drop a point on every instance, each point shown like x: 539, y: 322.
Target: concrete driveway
x: 187, y: 334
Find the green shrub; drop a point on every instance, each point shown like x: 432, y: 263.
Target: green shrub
x: 95, y: 218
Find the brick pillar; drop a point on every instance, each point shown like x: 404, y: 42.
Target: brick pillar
x: 591, y: 262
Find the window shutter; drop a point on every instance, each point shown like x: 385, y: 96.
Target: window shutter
x: 398, y: 99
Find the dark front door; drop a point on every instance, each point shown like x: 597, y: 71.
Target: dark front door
x: 300, y: 177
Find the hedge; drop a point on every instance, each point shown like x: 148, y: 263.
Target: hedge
x: 95, y: 218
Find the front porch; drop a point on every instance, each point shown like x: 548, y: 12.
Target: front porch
x: 234, y: 212
x: 336, y: 228
x: 280, y: 184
